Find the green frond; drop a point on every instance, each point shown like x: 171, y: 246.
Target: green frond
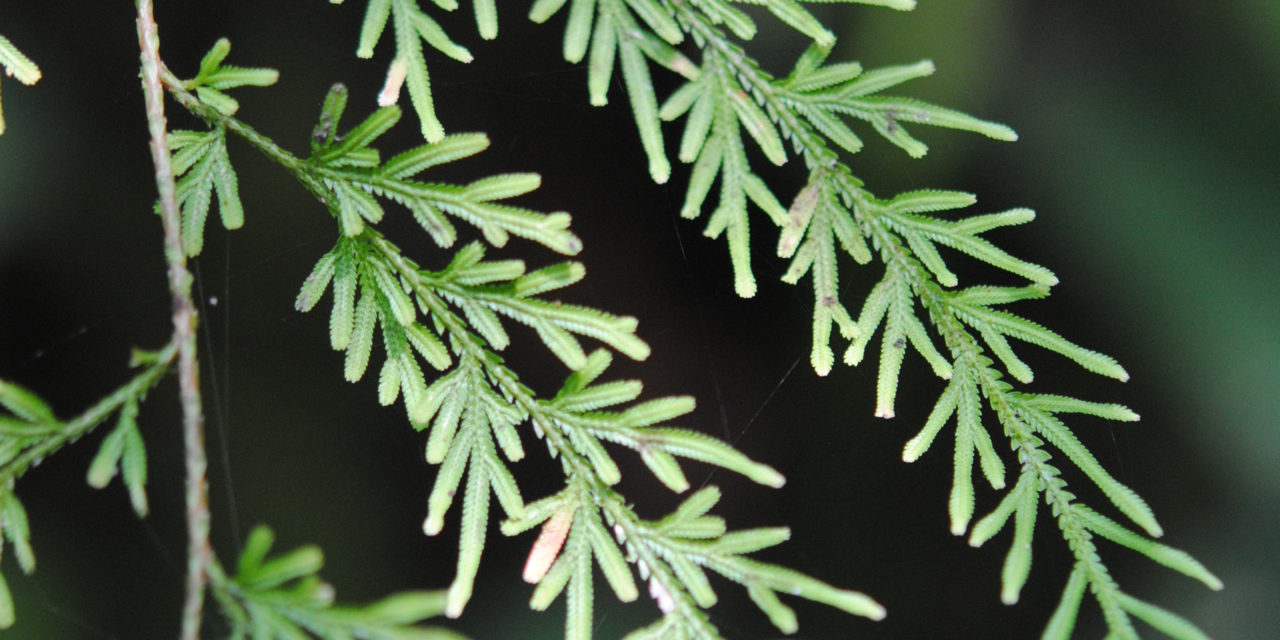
x: 921, y: 232
x: 15, y: 529
x: 1162, y: 620
x: 1175, y: 559
x: 809, y: 107
x: 349, y: 170
x: 1017, y: 564
x: 791, y: 13
x: 215, y: 75
x: 900, y: 5
x: 30, y: 432
x: 463, y: 433
x: 689, y: 520
x: 123, y: 449
x: 811, y: 230
x: 471, y: 407
x: 611, y: 560
x: 720, y: 12
x: 364, y: 321
x: 282, y: 597
x: 580, y: 598
x: 991, y: 524
x: 25, y: 404
x: 204, y: 169
x: 1121, y: 496
x: 475, y: 407
x: 611, y: 29
x: 664, y: 627
x: 657, y: 18
x: 412, y: 27
x: 820, y: 94
x: 1049, y: 403
x: 763, y: 577
x: 383, y: 307
x: 450, y: 148
x: 681, y: 546
x: 214, y: 78
x: 1063, y: 620
x: 486, y: 18
x: 960, y: 504
x: 718, y: 113
x: 892, y: 302
x: 986, y: 296
x: 992, y: 323
x: 757, y: 124
x: 576, y: 410
x: 938, y: 417
x: 486, y: 290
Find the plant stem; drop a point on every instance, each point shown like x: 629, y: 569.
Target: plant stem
x: 184, y: 324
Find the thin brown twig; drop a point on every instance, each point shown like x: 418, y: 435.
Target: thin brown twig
x: 184, y: 325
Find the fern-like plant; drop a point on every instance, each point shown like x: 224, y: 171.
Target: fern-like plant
x: 728, y: 94
x: 445, y: 319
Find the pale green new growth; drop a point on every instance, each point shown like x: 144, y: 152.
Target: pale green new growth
x: 19, y: 66
x: 283, y: 597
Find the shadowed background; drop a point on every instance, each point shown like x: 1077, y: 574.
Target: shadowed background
x: 1149, y: 145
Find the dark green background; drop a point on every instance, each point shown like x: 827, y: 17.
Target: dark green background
x: 1149, y: 145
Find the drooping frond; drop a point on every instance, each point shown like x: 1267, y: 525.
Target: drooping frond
x: 713, y: 142
x: 451, y: 319
x: 834, y: 214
